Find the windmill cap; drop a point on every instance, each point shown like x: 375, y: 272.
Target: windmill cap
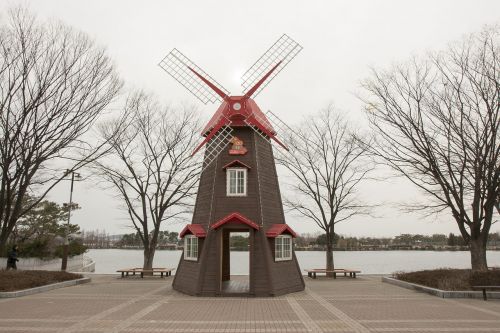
x: 237, y: 109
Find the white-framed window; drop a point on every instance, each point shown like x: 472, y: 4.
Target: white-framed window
x: 236, y: 182
x: 190, y: 247
x: 283, y: 248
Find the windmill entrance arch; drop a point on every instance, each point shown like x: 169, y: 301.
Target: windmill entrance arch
x: 232, y: 281
x: 238, y: 187
x: 235, y: 223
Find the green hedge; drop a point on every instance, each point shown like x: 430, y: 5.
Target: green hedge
x: 40, y: 248
x: 75, y: 248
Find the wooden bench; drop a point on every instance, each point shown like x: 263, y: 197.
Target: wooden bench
x: 161, y: 270
x: 352, y: 272
x: 126, y: 271
x: 484, y: 288
x: 166, y: 271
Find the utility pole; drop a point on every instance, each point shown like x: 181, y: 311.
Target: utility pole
x: 64, y: 262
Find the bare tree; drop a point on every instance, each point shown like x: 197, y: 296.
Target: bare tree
x: 150, y: 165
x: 328, y: 166
x: 437, y: 121
x: 54, y: 82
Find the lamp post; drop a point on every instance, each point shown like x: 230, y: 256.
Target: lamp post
x: 64, y: 262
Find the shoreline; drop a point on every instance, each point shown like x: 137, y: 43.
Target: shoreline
x: 315, y: 250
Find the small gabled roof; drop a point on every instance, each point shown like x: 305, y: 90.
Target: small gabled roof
x: 235, y: 218
x: 235, y: 163
x: 278, y: 229
x: 195, y: 229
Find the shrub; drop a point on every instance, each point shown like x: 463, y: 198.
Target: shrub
x: 490, y: 278
x: 76, y: 247
x: 450, y: 279
x: 44, y: 248
x: 19, y: 280
x: 38, y: 248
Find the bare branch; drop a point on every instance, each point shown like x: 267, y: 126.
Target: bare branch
x: 54, y: 83
x: 327, y: 166
x: 437, y: 122
x: 150, y: 164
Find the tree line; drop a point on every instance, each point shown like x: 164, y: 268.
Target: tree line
x: 100, y: 239
x: 400, y: 242
x: 315, y: 242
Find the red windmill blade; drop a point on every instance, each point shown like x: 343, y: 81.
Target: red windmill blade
x: 255, y: 79
x: 192, y: 77
x: 260, y: 74
x: 235, y: 110
x: 206, y: 89
x: 239, y: 111
x: 273, y: 61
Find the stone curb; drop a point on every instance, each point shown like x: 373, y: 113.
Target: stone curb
x: 41, y: 289
x: 438, y: 292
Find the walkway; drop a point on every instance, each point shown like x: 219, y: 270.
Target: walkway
x: 110, y: 304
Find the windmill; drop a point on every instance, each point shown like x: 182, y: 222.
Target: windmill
x: 238, y: 189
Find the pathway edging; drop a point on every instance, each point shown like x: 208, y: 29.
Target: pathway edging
x: 41, y: 289
x: 439, y: 292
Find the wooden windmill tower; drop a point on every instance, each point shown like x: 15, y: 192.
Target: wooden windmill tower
x: 238, y: 189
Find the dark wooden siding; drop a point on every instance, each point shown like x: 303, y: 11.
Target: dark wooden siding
x: 210, y: 273
x: 262, y: 205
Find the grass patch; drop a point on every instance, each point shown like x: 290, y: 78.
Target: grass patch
x: 20, y: 280
x: 451, y: 279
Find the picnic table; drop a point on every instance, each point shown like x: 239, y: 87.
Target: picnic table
x: 162, y: 270
x: 352, y: 272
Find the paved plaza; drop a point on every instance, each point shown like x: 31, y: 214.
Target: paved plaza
x: 365, y: 304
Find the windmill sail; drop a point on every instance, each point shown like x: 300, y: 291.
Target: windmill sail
x: 273, y: 122
x: 216, y: 145
x: 279, y: 54
x: 192, y: 77
x: 279, y: 126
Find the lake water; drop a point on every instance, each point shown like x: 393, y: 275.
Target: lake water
x: 369, y: 262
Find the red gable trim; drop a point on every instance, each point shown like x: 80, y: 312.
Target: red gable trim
x: 235, y: 218
x: 195, y: 229
x: 278, y: 229
x: 235, y: 163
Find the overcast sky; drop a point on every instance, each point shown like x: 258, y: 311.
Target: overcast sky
x: 341, y: 40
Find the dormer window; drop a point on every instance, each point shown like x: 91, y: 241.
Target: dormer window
x: 191, y: 247
x: 236, y: 178
x: 193, y: 235
x: 283, y: 248
x: 236, y: 182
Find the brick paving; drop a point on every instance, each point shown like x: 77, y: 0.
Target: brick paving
x: 365, y: 304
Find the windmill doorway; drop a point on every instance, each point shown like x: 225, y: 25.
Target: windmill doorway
x: 235, y: 268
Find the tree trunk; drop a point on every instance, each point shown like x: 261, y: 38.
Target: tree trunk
x: 329, y: 254
x: 3, y: 244
x: 149, y: 254
x: 478, y: 260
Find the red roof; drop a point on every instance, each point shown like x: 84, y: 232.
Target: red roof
x: 235, y: 163
x: 195, y: 229
x: 278, y: 229
x: 259, y: 115
x: 223, y: 111
x: 235, y: 218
